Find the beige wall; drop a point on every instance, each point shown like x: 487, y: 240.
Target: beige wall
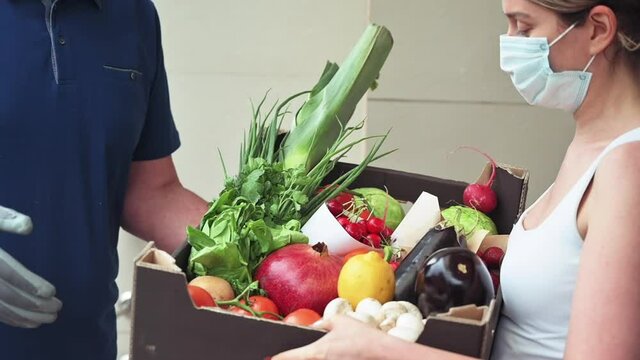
x: 441, y: 86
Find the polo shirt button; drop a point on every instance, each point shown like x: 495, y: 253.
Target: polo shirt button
x: 61, y: 40
x: 133, y: 76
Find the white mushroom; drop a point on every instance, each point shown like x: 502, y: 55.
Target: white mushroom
x: 371, y: 307
x: 409, y: 321
x: 404, y: 333
x: 411, y: 308
x: 392, y: 310
x: 365, y: 318
x: 387, y: 324
x: 338, y: 306
x: 393, y: 306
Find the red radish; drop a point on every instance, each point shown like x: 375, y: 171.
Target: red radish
x: 343, y: 221
x: 386, y: 232
x: 354, y: 230
x: 375, y: 225
x: 373, y: 240
x: 481, y: 196
x: 365, y: 214
x: 300, y: 277
x: 492, y: 257
x: 394, y: 265
x: 335, y: 207
x: 363, y: 227
x: 344, y: 198
x: 495, y: 278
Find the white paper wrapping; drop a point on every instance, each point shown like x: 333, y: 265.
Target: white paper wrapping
x: 323, y: 227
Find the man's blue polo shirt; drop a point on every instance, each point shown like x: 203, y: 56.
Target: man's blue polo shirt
x: 83, y: 93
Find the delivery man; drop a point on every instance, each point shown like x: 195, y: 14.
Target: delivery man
x: 86, y: 137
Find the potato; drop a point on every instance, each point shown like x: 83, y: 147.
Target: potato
x: 219, y: 288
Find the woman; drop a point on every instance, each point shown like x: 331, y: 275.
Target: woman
x: 568, y: 284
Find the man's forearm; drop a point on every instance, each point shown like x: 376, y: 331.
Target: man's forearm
x: 163, y: 214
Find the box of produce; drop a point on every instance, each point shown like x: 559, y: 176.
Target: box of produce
x: 297, y: 236
x: 168, y: 325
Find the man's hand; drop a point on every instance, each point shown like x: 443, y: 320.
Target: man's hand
x: 26, y: 300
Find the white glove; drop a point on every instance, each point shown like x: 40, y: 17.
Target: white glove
x: 26, y: 300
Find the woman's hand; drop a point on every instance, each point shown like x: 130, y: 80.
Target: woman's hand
x: 347, y: 339
x: 352, y: 339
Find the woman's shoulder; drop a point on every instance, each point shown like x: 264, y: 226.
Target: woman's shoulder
x: 618, y: 174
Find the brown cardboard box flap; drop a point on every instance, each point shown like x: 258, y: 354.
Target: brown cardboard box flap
x: 470, y: 314
x: 157, y: 259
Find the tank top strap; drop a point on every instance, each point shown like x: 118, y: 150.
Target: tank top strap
x: 585, y: 180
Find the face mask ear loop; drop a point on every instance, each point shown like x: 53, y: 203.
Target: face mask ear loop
x: 563, y: 34
x: 589, y: 63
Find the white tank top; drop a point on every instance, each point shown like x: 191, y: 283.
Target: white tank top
x: 539, y: 275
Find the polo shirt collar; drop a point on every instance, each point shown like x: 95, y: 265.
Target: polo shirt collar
x: 99, y: 3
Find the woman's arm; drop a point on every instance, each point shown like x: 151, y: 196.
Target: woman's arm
x: 351, y: 339
x: 605, y: 317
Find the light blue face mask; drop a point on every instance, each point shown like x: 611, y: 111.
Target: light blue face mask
x: 526, y: 60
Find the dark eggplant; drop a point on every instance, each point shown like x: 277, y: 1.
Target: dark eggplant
x: 435, y: 239
x: 452, y: 277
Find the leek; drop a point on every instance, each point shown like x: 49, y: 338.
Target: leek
x: 331, y: 105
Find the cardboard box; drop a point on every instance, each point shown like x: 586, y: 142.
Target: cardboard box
x: 166, y: 325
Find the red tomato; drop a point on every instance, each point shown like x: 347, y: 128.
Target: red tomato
x: 200, y: 296
x: 237, y: 310
x: 304, y: 317
x: 259, y: 304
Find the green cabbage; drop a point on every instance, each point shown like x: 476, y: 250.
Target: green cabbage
x: 467, y: 220
x: 377, y: 200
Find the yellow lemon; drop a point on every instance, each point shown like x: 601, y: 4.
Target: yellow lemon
x: 366, y: 275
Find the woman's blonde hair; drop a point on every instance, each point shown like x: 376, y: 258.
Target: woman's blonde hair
x: 627, y: 12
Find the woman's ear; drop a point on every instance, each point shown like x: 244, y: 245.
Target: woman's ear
x: 604, y: 25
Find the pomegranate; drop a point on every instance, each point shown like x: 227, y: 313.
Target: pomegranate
x: 300, y: 276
